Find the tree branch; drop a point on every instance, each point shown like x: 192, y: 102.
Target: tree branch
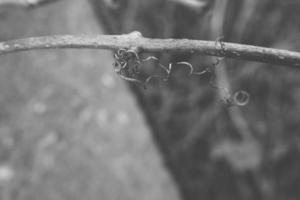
x: 136, y: 41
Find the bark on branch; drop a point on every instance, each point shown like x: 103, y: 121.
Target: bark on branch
x: 137, y: 42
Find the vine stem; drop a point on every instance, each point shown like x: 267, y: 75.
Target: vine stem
x: 136, y: 41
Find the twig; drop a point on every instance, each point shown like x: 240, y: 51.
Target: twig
x: 137, y: 41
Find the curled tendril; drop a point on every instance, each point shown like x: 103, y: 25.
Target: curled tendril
x: 127, y: 66
x: 127, y: 62
x: 133, y: 52
x: 192, y: 72
x: 134, y: 80
x: 150, y: 58
x: 189, y: 65
x: 241, y: 98
x: 166, y: 69
x: 149, y: 78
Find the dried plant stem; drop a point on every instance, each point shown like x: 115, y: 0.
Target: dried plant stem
x: 136, y: 41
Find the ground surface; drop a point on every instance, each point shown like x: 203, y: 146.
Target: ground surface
x: 69, y: 128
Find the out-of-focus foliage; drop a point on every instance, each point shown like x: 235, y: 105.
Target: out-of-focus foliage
x: 215, y: 152
x: 69, y: 128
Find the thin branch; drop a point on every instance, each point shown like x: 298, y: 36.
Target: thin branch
x: 135, y: 40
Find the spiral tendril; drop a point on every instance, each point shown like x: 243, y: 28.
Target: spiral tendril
x: 127, y: 66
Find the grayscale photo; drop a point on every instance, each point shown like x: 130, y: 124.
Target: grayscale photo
x: 149, y: 99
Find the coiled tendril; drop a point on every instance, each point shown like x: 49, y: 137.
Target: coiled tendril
x: 127, y: 65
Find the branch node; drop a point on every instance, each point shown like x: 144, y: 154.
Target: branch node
x: 220, y: 41
x: 135, y: 34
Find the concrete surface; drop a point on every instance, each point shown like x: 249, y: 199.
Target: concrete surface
x: 69, y: 127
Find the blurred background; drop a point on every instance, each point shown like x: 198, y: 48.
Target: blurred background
x: 70, y: 128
